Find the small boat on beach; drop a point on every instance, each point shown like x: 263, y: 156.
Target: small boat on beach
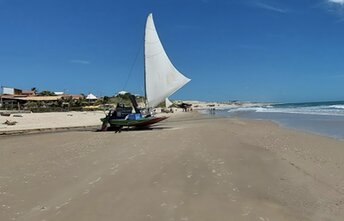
x: 162, y: 79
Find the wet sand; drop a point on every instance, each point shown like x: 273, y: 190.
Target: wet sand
x: 188, y: 168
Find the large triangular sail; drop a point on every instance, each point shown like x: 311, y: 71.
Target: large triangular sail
x: 162, y: 79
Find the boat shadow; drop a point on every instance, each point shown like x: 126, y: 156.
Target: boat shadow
x: 128, y: 129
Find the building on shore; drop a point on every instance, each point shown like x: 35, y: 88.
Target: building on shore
x: 13, y: 98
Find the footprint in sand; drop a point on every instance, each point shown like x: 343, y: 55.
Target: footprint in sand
x: 95, y: 181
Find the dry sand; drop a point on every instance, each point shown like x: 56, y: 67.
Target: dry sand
x: 30, y: 121
x: 188, y: 168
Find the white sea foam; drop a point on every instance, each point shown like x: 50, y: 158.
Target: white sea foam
x: 337, y: 106
x: 326, y: 118
x: 254, y: 109
x: 332, y: 110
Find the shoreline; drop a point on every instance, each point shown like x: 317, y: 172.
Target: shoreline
x: 274, y: 121
x: 322, y: 118
x: 298, y: 130
x: 180, y: 116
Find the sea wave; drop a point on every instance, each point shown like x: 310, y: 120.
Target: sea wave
x: 242, y: 109
x: 337, y: 110
x: 337, y: 106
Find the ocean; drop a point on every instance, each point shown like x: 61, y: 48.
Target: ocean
x: 324, y: 118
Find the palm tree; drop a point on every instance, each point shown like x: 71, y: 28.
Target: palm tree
x: 34, y: 89
x: 47, y: 93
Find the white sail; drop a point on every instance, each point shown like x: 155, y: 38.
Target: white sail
x: 168, y: 103
x: 162, y: 79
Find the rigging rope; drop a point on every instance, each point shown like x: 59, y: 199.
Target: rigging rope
x: 132, y: 68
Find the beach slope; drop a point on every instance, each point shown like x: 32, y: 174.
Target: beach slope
x: 190, y: 167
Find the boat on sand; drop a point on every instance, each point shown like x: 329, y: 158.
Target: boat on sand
x: 162, y: 79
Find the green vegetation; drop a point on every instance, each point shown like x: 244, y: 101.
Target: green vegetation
x: 120, y: 98
x: 46, y: 93
x: 70, y: 103
x: 34, y: 89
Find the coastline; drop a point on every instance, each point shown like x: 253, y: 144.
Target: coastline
x: 191, y: 167
x: 323, y: 125
x: 321, y: 118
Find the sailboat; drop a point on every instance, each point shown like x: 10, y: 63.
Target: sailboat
x: 162, y: 79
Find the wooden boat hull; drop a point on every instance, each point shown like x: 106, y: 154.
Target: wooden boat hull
x: 142, y: 122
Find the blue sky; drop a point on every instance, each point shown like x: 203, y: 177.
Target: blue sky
x: 258, y: 50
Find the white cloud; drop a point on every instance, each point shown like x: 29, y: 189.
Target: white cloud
x: 341, y: 2
x: 271, y: 7
x: 335, y: 7
x: 79, y: 61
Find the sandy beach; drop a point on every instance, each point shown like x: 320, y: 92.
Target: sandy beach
x: 57, y: 121
x: 190, y: 167
x: 35, y: 121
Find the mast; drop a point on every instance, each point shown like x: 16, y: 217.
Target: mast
x: 144, y: 61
